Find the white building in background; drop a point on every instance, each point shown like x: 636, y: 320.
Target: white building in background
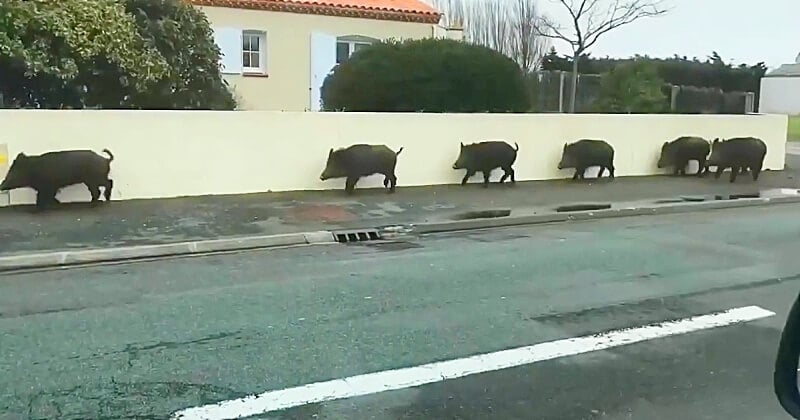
x: 780, y: 90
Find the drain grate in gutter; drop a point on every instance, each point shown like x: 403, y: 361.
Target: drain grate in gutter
x: 362, y: 235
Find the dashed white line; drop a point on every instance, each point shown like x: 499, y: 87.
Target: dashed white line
x: 389, y: 380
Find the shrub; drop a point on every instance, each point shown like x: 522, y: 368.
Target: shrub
x: 429, y: 75
x: 632, y: 87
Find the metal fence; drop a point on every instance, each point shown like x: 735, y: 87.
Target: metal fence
x: 549, y: 92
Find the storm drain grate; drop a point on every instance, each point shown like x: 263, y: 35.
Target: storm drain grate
x: 357, y: 235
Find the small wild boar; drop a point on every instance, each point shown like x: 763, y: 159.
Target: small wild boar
x: 586, y: 153
x: 680, y: 151
x: 49, y: 172
x: 361, y: 160
x: 486, y: 156
x: 738, y: 153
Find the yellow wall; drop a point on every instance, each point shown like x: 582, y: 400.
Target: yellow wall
x: 288, y: 51
x: 184, y: 153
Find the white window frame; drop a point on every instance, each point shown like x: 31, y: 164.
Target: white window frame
x: 262, y: 52
x: 352, y: 41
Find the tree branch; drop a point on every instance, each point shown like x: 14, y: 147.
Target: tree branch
x: 622, y: 13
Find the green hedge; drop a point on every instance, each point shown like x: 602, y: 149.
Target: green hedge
x: 429, y: 75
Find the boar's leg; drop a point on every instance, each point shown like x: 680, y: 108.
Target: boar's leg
x: 508, y: 172
x: 718, y: 173
x: 107, y: 189
x: 467, y: 176
x: 734, y: 172
x: 94, y: 190
x: 756, y: 169
x: 486, y: 174
x: 45, y: 197
x: 350, y: 184
x: 682, y: 164
x: 601, y: 171
x: 389, y: 181
x: 702, y: 168
x: 578, y: 173
x: 610, y: 166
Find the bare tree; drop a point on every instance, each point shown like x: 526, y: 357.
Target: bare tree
x: 507, y: 26
x: 527, y: 46
x: 589, y: 20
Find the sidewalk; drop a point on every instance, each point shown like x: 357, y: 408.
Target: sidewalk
x: 139, y: 222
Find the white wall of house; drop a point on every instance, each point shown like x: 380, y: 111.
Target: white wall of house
x: 780, y: 95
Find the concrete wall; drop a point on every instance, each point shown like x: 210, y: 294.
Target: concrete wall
x: 780, y: 95
x: 183, y: 153
x: 286, y: 85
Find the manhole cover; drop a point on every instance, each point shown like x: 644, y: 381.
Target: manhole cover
x: 482, y: 214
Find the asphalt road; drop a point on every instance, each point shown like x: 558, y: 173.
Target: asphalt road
x: 147, y: 339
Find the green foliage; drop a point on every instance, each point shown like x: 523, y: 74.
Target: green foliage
x: 108, y: 54
x: 428, y: 75
x: 183, y: 36
x: 713, y: 72
x: 632, y: 87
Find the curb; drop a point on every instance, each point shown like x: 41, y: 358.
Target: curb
x: 535, y: 219
x: 86, y: 256
x: 138, y: 252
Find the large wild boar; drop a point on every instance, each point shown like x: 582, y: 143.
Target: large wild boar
x: 738, y: 153
x: 679, y: 152
x: 361, y: 160
x: 586, y: 153
x: 486, y: 156
x: 49, y: 172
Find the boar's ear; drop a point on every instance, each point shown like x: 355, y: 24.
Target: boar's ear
x: 565, y: 146
x: 330, y: 152
x: 462, y: 144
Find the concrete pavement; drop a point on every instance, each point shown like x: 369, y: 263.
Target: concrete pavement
x: 147, y: 339
x: 153, y: 222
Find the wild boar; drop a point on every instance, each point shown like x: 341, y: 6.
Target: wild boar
x: 586, y: 153
x: 680, y: 151
x: 361, y: 160
x: 485, y: 157
x: 738, y: 153
x: 49, y: 172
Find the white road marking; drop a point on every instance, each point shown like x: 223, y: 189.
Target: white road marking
x: 373, y: 383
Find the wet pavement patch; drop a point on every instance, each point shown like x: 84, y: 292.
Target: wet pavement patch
x: 693, y: 198
x: 736, y: 196
x: 320, y: 212
x: 482, y: 214
x: 583, y: 207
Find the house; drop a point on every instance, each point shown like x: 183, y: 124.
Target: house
x: 780, y: 90
x: 277, y: 53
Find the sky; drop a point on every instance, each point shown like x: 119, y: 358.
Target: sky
x: 741, y: 31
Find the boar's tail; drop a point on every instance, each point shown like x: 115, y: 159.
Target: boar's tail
x: 110, y: 155
x: 516, y: 147
x: 398, y: 152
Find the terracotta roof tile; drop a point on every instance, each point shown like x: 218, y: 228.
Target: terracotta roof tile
x: 403, y: 10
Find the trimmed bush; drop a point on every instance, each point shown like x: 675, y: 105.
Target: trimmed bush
x: 632, y: 87
x: 428, y: 75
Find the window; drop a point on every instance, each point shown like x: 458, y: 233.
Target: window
x: 345, y: 48
x: 254, y: 52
